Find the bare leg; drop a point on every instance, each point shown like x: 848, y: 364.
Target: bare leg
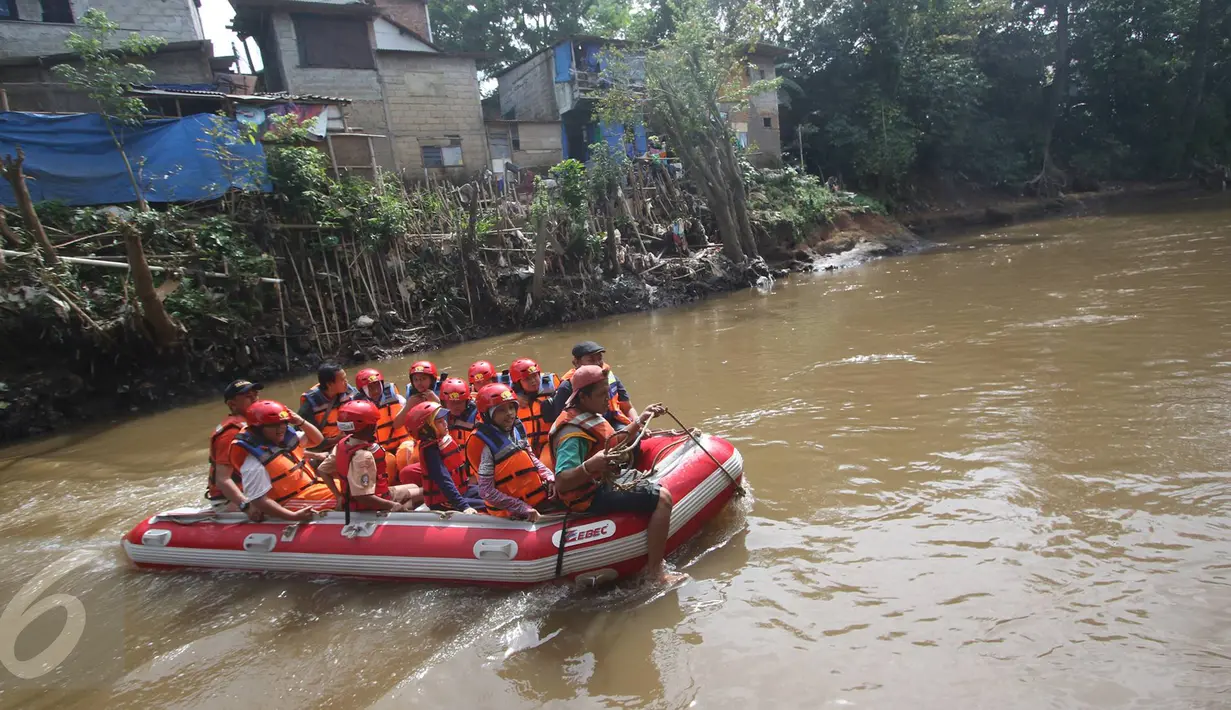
x: 656, y: 535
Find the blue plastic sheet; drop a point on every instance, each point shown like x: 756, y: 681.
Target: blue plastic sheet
x: 72, y: 159
x: 563, y: 55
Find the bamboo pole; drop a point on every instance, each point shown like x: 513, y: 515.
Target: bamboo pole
x: 307, y: 307
x: 286, y: 351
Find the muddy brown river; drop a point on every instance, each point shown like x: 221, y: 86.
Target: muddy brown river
x: 993, y: 475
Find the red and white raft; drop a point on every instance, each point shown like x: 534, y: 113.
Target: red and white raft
x: 468, y: 549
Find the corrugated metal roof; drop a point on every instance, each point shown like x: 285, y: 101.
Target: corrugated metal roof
x: 277, y: 97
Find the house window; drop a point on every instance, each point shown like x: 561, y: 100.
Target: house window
x: 768, y: 121
x: 515, y: 137
x: 58, y: 11
x: 432, y: 157
x: 330, y: 42
x: 446, y: 156
x: 8, y: 10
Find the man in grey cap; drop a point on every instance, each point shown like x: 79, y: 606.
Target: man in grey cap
x: 620, y: 411
x: 223, y: 490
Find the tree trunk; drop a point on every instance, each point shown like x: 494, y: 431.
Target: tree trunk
x: 10, y: 237
x: 13, y: 173
x: 1050, y: 179
x: 1196, y: 85
x: 739, y: 199
x: 164, y: 329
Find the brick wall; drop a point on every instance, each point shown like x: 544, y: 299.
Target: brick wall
x: 431, y: 98
x: 411, y: 14
x: 357, y: 84
x: 527, y: 93
x: 173, y: 20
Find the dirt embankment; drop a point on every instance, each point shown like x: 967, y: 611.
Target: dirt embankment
x: 70, y: 380
x: 956, y: 212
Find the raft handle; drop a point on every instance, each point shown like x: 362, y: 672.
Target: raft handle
x: 155, y: 538
x: 260, y: 542
x: 495, y: 549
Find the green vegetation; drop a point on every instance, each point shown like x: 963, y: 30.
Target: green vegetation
x: 897, y: 97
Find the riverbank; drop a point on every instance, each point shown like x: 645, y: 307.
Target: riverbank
x: 956, y: 212
x: 46, y: 390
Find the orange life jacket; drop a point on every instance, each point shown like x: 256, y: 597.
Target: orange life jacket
x: 231, y: 423
x: 516, y: 475
x: 536, y: 417
x: 406, y: 454
x: 460, y: 428
x: 343, y: 453
x: 594, y: 429
x: 615, y: 412
x: 325, y: 410
x: 389, y: 405
x: 288, y: 469
x: 455, y: 463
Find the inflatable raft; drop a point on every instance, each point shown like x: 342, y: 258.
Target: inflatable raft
x: 468, y: 549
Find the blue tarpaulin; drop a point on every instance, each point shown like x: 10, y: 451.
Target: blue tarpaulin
x: 564, y: 62
x: 72, y: 159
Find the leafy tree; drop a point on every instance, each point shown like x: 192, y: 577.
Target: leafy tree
x: 692, y: 80
x: 106, y: 75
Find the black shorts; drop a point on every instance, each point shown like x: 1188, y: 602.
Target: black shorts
x: 641, y: 498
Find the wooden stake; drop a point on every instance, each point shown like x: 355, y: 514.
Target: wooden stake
x: 286, y: 348
x: 307, y: 307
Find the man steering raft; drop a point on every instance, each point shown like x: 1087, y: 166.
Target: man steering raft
x: 579, y: 448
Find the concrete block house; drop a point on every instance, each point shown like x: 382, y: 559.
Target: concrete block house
x: 33, y: 32
x: 559, y: 87
x: 421, y: 104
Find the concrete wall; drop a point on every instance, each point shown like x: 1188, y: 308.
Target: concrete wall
x: 357, y: 84
x: 33, y: 88
x: 541, y: 145
x: 767, y: 140
x: 527, y: 92
x: 173, y: 20
x: 431, y: 98
x: 411, y: 14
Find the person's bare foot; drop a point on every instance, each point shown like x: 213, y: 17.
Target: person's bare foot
x: 668, y: 578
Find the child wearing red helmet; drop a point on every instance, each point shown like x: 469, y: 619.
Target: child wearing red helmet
x: 442, y: 465
x: 512, y: 480
x: 359, y: 461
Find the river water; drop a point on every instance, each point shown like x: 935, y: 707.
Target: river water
x: 995, y: 474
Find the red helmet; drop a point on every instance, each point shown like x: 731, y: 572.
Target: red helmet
x: 481, y: 373
x: 367, y: 377
x: 421, y: 416
x: 454, y: 389
x: 423, y: 367
x: 494, y: 395
x: 267, y: 413
x: 358, y: 412
x: 523, y: 368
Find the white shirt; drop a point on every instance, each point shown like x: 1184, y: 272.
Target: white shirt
x: 255, y: 478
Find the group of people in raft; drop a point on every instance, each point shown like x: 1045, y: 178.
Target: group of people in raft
x: 515, y: 444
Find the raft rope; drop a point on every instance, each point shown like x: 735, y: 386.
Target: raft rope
x: 563, y: 542
x: 739, y: 489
